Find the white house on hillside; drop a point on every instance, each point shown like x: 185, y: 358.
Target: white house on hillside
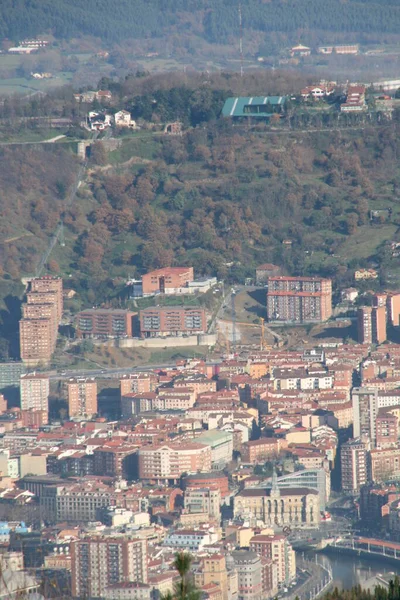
x: 123, y: 119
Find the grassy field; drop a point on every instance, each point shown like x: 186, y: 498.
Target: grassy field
x: 141, y: 145
x: 22, y: 85
x: 107, y: 356
x: 27, y: 134
x: 367, y: 239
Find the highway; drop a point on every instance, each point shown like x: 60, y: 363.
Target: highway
x: 114, y: 373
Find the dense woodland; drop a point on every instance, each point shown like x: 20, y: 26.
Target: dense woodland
x: 214, y: 20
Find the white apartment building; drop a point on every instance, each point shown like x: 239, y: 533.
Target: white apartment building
x: 34, y: 389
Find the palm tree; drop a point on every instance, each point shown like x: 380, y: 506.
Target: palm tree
x: 184, y: 589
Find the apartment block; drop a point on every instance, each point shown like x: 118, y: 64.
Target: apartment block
x: 172, y: 321
x: 170, y: 461
x: 115, y: 461
x: 99, y: 562
x: 135, y: 404
x: 212, y: 569
x: 203, y: 500
x: 170, y: 280
x: 48, y: 283
x: 137, y: 383
x: 41, y: 313
x: 371, y: 324
x: 79, y: 503
x: 40, y: 310
x: 385, y: 464
x: 253, y: 583
x: 279, y: 549
x: 355, y: 466
x: 10, y: 373
x: 36, y: 338
x: 101, y: 323
x: 34, y: 419
x: 387, y: 429
x: 35, y: 389
x: 365, y: 410
x: 82, y: 397
x: 393, y: 309
x: 299, y: 299
x: 260, y: 450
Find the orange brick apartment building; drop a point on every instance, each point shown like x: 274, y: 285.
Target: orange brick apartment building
x: 82, y: 397
x: 169, y: 280
x: 41, y: 315
x: 173, y: 320
x: 299, y: 299
x: 104, y: 323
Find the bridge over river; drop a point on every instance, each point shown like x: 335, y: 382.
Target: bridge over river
x: 366, y: 546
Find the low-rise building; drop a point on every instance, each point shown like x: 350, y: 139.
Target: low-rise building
x: 169, y: 461
x: 123, y: 118
x: 163, y: 321
x: 103, y: 323
x: 190, y: 540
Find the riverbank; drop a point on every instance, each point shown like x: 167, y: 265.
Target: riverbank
x: 351, y: 570
x: 318, y: 580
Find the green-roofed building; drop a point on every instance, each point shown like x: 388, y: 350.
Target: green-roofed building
x: 256, y: 107
x: 221, y: 444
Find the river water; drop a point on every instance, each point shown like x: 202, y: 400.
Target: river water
x: 349, y: 571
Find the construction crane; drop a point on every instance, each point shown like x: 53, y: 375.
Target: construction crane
x: 263, y: 345
x: 262, y: 335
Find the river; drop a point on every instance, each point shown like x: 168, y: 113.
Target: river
x: 348, y: 571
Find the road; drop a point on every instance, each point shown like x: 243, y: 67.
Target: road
x: 49, y: 141
x: 60, y: 227
x: 114, y: 373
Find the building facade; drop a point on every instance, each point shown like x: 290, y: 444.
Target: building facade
x: 162, y: 321
x: 42, y: 314
x: 279, y: 549
x: 385, y: 464
x: 253, y: 582
x: 355, y: 466
x: 169, y: 280
x: 299, y: 299
x: 82, y: 397
x: 365, y: 410
x: 35, y: 389
x: 104, y: 323
x: 371, y: 324
x: 298, y: 507
x: 203, y: 500
x: 98, y: 562
x: 170, y: 461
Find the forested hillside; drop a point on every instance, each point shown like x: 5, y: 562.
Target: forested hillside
x: 34, y: 182
x: 221, y: 197
x: 215, y: 20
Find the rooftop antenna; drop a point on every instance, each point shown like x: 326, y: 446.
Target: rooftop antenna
x: 241, y: 39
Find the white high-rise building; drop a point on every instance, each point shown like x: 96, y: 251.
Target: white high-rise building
x: 34, y: 389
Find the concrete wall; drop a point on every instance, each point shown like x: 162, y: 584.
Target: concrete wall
x: 168, y: 342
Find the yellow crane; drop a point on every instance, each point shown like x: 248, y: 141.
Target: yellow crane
x: 263, y: 345
x: 262, y: 336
